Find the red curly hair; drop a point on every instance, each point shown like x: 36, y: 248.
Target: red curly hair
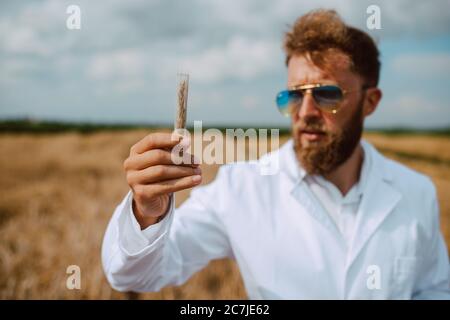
x: 321, y: 33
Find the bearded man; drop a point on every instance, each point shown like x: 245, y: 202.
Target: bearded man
x: 336, y: 221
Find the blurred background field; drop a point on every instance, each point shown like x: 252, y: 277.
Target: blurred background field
x: 58, y: 192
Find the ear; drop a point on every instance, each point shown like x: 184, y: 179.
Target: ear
x: 373, y: 97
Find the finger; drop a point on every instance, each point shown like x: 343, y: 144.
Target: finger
x: 156, y: 157
x: 174, y: 185
x: 156, y: 174
x: 156, y: 140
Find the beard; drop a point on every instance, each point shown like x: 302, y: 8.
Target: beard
x: 325, y: 155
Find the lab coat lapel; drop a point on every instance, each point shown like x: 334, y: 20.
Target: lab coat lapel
x: 379, y: 199
x: 296, y: 186
x: 312, y: 206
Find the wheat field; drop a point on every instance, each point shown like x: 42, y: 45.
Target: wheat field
x: 58, y: 192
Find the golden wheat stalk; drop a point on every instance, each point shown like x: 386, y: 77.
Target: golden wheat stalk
x: 183, y: 86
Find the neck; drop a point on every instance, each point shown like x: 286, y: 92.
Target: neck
x: 347, y: 174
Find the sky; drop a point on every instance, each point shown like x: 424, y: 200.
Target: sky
x: 121, y: 65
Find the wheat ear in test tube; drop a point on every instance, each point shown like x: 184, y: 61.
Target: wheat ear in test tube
x: 183, y: 86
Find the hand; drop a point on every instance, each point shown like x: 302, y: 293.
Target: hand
x: 153, y: 176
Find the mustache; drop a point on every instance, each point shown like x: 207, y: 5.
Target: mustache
x: 311, y: 126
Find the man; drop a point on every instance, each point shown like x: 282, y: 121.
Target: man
x: 338, y: 221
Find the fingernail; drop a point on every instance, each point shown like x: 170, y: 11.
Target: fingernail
x: 197, y: 178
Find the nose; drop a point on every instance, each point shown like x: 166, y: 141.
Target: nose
x: 308, y: 108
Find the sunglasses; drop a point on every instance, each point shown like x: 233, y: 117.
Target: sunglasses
x: 326, y: 96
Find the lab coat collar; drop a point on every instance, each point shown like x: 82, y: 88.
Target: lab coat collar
x: 294, y: 172
x: 356, y: 191
x: 378, y: 200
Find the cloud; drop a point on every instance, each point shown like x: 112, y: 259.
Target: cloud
x: 39, y: 27
x: 433, y: 64
x: 125, y: 63
x: 412, y: 109
x: 34, y: 30
x: 415, y: 18
x: 250, y: 102
x: 239, y: 58
x: 414, y: 104
x: 128, y: 52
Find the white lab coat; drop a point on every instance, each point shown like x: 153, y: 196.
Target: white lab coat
x: 285, y: 244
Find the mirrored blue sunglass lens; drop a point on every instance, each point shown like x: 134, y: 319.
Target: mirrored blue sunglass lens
x: 327, y: 95
x: 286, y: 99
x: 283, y: 98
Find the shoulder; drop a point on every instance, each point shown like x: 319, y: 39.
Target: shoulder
x: 409, y: 179
x: 409, y: 182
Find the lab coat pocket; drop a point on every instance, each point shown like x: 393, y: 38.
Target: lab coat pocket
x: 405, y: 271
